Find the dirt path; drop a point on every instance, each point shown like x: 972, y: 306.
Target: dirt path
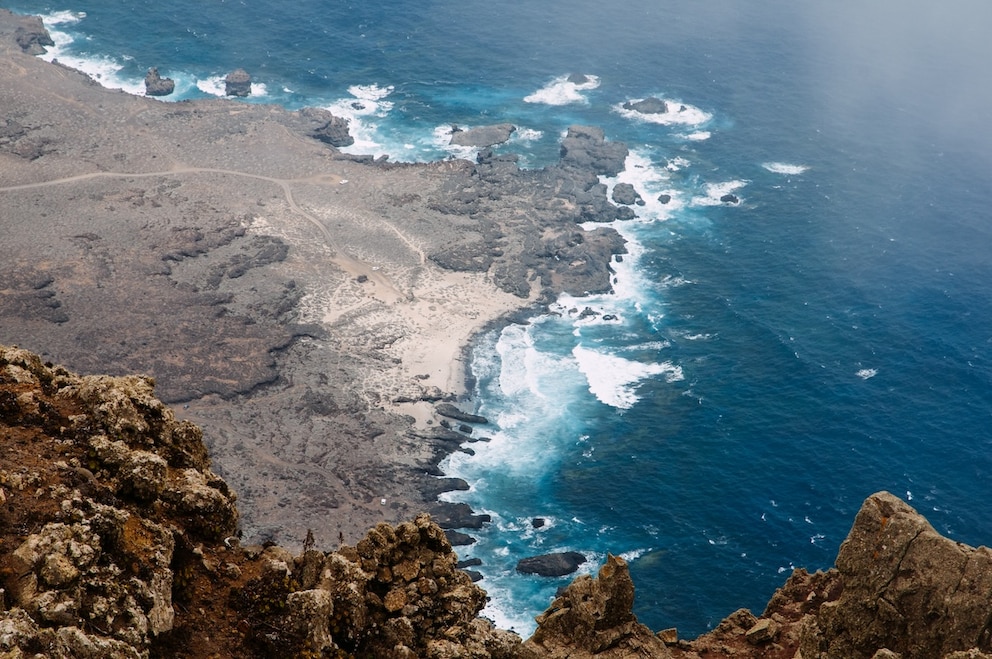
x: 385, y: 289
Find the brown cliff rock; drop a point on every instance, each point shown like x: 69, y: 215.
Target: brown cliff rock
x: 906, y: 588
x: 593, y: 618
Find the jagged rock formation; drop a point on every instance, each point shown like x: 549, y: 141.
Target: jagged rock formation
x: 156, y: 85
x: 906, y: 588
x: 327, y: 128
x: 593, y: 618
x: 117, y: 540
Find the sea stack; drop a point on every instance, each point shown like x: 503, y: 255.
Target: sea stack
x: 156, y: 85
x: 237, y: 83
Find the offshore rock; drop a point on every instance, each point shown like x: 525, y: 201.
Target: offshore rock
x: 650, y: 105
x: 593, y: 618
x: 551, y: 565
x: 482, y: 136
x: 237, y: 83
x: 156, y: 85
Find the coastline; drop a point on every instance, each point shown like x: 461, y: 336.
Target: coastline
x: 307, y: 309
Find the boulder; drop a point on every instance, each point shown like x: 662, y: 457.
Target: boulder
x: 664, y: 198
x: 650, y: 105
x: 624, y: 193
x: 237, y: 83
x: 594, y: 618
x: 551, y: 565
x: 730, y: 199
x: 482, y: 136
x: 155, y: 85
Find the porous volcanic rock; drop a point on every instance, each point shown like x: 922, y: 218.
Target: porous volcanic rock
x: 906, y: 588
x: 593, y: 618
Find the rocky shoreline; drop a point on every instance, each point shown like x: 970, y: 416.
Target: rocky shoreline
x: 285, y: 295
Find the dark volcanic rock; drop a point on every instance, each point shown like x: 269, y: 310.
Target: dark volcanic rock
x: 551, y: 565
x: 585, y: 147
x: 458, y: 516
x: 458, y: 539
x: 650, y: 105
x: 579, y: 79
x: 155, y: 85
x: 328, y: 128
x: 237, y: 83
x: 730, y: 199
x: 664, y: 198
x: 452, y: 412
x: 624, y: 193
x: 482, y: 136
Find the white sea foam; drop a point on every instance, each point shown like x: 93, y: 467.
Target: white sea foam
x: 713, y: 192
x: 679, y: 114
x: 614, y: 380
x: 366, y: 104
x: 561, y: 91
x: 697, y: 136
x: 650, y: 181
x: 867, y: 373
x: 785, y: 168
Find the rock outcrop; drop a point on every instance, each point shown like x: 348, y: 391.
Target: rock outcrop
x: 906, y: 588
x: 237, y: 83
x: 117, y: 540
x: 482, y: 136
x: 328, y: 128
x: 156, y: 85
x: 593, y: 618
x: 28, y: 32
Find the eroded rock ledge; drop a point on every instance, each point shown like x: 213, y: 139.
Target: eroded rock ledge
x: 117, y: 540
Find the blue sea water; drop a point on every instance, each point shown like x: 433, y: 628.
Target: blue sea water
x: 773, y: 361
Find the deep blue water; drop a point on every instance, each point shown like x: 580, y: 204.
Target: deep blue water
x: 774, y: 361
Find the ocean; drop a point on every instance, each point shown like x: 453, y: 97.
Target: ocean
x: 765, y: 362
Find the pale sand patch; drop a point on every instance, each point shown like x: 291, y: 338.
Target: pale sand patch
x: 428, y: 331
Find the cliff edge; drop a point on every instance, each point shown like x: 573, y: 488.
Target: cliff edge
x: 117, y: 540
